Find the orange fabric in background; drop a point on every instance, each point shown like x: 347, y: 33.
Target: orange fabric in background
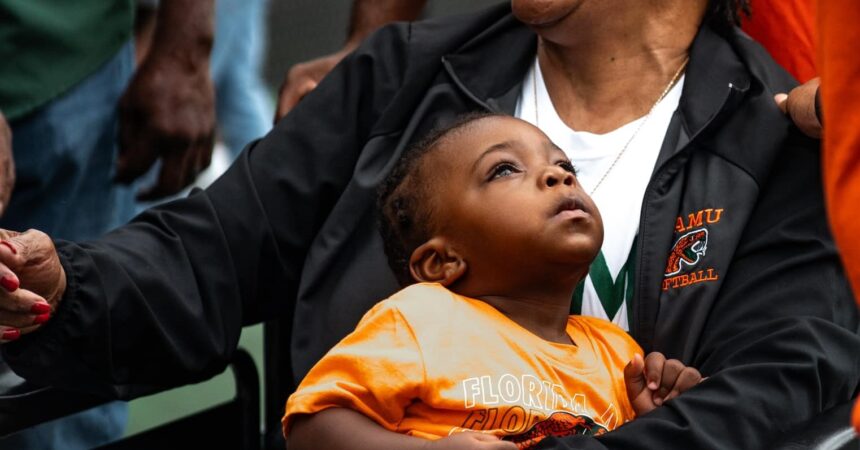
x: 787, y: 30
x: 839, y: 63
x: 855, y: 417
x: 839, y: 66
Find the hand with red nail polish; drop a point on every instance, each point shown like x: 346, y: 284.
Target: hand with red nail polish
x: 10, y: 334
x: 40, y: 308
x: 32, y: 282
x: 41, y: 318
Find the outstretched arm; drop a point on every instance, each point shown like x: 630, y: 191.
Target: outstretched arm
x: 161, y: 301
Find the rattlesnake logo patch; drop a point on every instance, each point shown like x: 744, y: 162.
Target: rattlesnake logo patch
x: 559, y: 424
x: 687, y: 251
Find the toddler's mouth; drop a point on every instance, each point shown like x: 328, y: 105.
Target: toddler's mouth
x: 571, y: 204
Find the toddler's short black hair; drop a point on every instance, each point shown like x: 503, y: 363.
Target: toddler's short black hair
x: 404, y: 214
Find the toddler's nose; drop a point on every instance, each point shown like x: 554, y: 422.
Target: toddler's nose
x: 557, y: 175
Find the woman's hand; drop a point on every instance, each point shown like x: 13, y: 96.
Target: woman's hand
x: 33, y: 282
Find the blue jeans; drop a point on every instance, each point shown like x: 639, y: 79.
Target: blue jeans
x: 243, y: 104
x: 64, y: 160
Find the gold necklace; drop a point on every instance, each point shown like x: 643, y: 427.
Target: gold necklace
x: 636, y: 132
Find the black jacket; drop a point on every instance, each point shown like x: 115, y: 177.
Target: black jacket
x: 757, y: 301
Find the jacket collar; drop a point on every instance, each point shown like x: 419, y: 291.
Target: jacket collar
x: 490, y: 69
x: 716, y: 80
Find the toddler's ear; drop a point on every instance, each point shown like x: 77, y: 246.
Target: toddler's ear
x: 435, y: 262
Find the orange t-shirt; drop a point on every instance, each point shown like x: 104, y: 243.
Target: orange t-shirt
x: 786, y: 28
x: 428, y: 362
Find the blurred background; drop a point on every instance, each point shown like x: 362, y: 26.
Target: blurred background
x: 304, y: 29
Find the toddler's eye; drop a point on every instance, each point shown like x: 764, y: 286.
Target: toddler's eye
x: 568, y: 166
x: 503, y: 170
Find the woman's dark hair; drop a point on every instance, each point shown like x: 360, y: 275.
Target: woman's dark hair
x: 724, y: 14
x: 404, y: 212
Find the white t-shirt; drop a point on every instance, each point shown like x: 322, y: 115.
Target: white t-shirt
x: 619, y: 196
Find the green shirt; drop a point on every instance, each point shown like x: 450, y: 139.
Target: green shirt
x: 47, y: 46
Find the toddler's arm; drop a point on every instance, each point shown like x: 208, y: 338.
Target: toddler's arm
x: 652, y: 381
x: 345, y: 429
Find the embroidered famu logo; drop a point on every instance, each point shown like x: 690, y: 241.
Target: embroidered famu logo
x: 687, y: 251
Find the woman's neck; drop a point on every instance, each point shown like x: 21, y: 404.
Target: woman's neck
x: 602, y: 74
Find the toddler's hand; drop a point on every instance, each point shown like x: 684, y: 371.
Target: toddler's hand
x: 470, y: 441
x: 652, y: 381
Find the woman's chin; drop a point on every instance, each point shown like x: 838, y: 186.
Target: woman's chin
x: 542, y: 13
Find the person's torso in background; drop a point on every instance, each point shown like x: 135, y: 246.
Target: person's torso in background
x: 47, y: 46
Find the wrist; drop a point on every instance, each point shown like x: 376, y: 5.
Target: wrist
x: 184, y: 35
x: 190, y: 58
x: 351, y: 44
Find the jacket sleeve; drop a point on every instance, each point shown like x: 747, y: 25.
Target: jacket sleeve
x: 781, y: 343
x: 161, y: 301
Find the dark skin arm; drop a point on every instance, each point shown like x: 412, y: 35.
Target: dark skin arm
x: 168, y: 109
x: 342, y: 428
x: 7, y: 164
x: 366, y: 17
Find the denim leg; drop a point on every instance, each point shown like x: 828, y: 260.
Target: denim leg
x: 84, y: 430
x: 243, y: 104
x: 64, y: 157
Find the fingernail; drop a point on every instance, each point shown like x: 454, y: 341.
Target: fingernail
x: 9, y: 283
x: 41, y: 318
x: 40, y: 308
x: 11, y: 335
x: 658, y: 401
x: 652, y: 385
x: 10, y: 246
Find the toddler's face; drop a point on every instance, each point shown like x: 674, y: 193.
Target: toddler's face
x: 508, y: 200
